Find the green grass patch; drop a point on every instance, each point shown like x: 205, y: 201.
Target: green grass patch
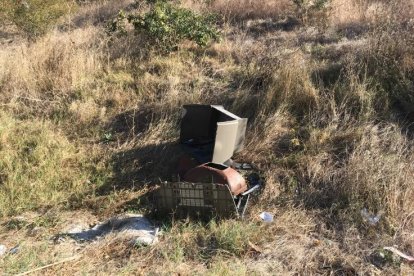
x: 27, y: 257
x: 39, y: 166
x: 195, y: 241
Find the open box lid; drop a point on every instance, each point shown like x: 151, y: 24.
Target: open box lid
x: 204, y: 125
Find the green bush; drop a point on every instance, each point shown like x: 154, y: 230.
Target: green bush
x: 165, y: 25
x: 34, y: 17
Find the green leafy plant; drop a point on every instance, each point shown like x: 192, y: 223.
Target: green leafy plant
x: 166, y: 25
x: 34, y: 17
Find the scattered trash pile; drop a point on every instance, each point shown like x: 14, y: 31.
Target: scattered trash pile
x: 210, y: 183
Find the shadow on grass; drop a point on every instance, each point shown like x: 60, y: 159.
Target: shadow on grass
x: 136, y: 173
x: 132, y: 123
x: 261, y: 28
x: 135, y: 168
x: 141, y: 165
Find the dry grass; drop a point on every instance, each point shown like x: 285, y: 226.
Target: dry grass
x: 87, y: 123
x: 46, y: 72
x: 241, y: 10
x: 39, y: 166
x: 247, y: 9
x: 96, y: 13
x: 356, y: 13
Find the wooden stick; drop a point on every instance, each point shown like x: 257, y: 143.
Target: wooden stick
x: 49, y: 265
x: 394, y: 250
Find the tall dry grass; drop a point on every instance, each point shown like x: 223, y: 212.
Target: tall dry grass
x: 49, y: 70
x: 234, y: 10
x: 51, y: 89
x: 337, y: 145
x: 357, y: 13
x: 329, y: 142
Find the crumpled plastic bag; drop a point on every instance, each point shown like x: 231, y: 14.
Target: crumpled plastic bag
x: 133, y: 226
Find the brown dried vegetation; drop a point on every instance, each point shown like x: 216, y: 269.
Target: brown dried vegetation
x: 87, y: 121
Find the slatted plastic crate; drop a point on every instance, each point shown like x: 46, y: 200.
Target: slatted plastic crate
x: 195, y: 199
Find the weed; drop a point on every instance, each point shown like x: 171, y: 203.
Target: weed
x: 166, y: 25
x: 36, y: 17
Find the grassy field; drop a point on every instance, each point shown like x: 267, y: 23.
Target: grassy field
x: 87, y: 121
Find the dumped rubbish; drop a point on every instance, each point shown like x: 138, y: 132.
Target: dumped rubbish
x: 211, y: 183
x: 215, y: 133
x: 14, y: 250
x: 243, y: 166
x: 266, y: 217
x: 134, y: 227
x: 370, y: 218
x: 394, y: 250
x: 3, y: 249
x: 218, y: 173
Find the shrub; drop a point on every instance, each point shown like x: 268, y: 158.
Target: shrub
x: 165, y: 25
x: 35, y: 17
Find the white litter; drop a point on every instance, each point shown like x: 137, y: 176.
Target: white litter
x: 135, y: 227
x: 14, y: 250
x: 266, y: 217
x: 3, y: 249
x: 370, y: 218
